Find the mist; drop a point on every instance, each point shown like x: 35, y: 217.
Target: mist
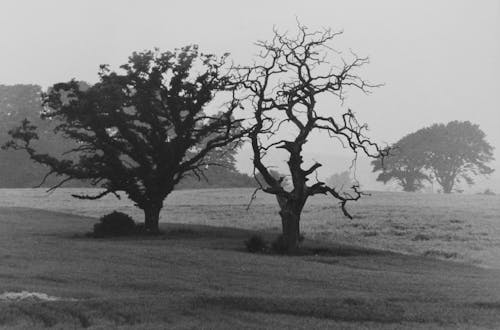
x: 437, y: 62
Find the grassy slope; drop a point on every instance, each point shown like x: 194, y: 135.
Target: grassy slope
x: 201, y: 278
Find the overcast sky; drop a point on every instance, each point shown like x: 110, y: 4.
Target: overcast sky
x: 439, y: 60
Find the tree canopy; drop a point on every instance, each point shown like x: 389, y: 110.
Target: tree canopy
x: 456, y: 152
x: 18, y: 102
x: 406, y: 162
x: 140, y: 130
x: 448, y: 153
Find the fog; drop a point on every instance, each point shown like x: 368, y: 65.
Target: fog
x: 439, y: 61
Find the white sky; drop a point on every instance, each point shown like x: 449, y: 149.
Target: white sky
x: 439, y: 60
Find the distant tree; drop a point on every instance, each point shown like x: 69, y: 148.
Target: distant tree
x: 223, y: 175
x: 283, y: 88
x: 341, y: 181
x: 447, y: 153
x: 16, y: 103
x: 140, y: 131
x: 406, y: 163
x: 457, y: 151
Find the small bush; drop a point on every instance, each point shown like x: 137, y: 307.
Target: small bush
x: 115, y: 224
x: 256, y: 244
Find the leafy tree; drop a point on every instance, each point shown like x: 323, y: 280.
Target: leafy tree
x: 283, y: 88
x: 457, y: 151
x: 139, y: 131
x: 406, y: 163
x: 447, y: 153
x: 18, y: 102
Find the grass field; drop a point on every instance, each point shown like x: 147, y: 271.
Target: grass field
x: 456, y: 227
x: 199, y: 276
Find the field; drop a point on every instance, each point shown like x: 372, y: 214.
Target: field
x: 199, y: 276
x: 457, y: 227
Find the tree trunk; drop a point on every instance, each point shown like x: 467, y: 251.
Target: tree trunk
x: 152, y: 218
x: 447, y: 189
x: 408, y: 183
x: 409, y: 187
x: 290, y: 221
x: 448, y: 185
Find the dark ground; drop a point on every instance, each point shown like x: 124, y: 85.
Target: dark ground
x: 201, y: 277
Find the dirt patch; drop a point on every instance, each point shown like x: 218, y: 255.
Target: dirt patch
x: 30, y: 296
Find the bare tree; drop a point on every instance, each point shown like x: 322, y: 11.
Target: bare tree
x: 283, y: 87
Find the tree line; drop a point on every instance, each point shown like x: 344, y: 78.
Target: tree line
x: 167, y: 116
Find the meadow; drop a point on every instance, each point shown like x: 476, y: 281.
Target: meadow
x: 198, y: 274
x: 461, y: 227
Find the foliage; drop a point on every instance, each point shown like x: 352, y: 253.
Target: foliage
x: 218, y: 177
x: 115, y: 224
x: 406, y: 162
x: 448, y: 153
x: 457, y: 151
x: 16, y: 103
x: 139, y: 131
x: 283, y: 88
x: 256, y: 244
x: 20, y: 102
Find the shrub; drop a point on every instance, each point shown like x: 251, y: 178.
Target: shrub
x: 256, y: 244
x: 115, y: 224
